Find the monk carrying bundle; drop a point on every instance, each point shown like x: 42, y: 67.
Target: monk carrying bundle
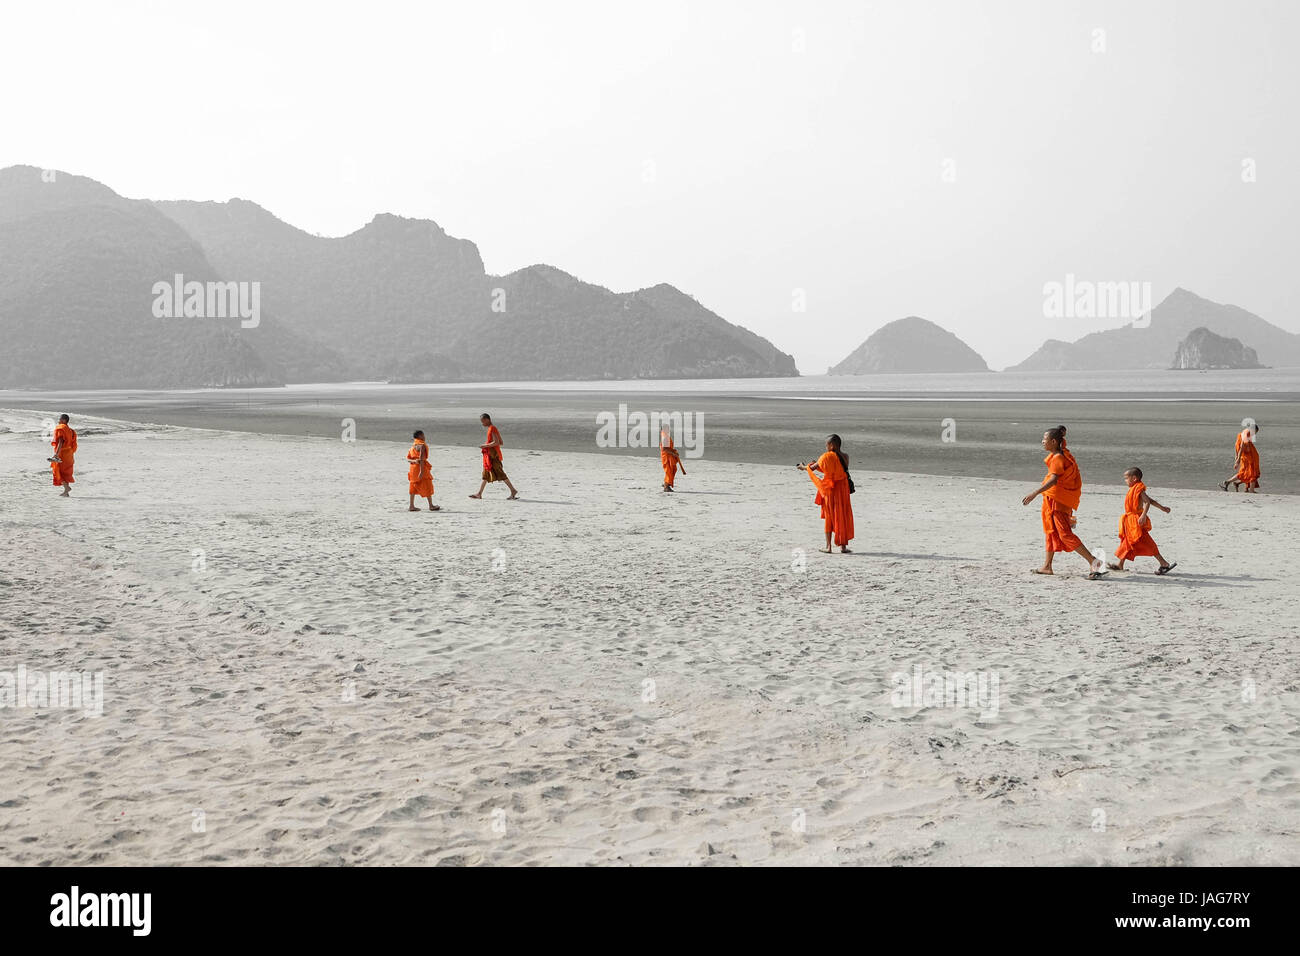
x: 65, y: 447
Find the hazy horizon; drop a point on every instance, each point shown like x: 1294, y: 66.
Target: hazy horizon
x: 872, y: 161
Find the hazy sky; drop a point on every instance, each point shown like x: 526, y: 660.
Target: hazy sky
x: 739, y: 151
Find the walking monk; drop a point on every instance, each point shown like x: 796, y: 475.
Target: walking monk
x: 1061, y: 489
x: 1247, y: 472
x: 669, y: 457
x: 1134, y: 525
x: 65, y: 447
x: 833, y: 494
x: 419, y: 474
x: 492, y: 470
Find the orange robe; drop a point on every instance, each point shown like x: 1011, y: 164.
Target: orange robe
x: 1248, y: 470
x: 492, y: 467
x: 419, y: 475
x: 1059, y: 502
x: 668, y: 458
x: 1134, y: 541
x: 63, y: 470
x: 833, y: 496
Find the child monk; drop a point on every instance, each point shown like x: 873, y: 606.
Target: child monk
x: 491, y: 448
x: 1134, y: 525
x: 65, y: 447
x: 833, y: 494
x: 419, y: 474
x: 669, y: 457
x: 1061, y: 489
x: 1247, y: 463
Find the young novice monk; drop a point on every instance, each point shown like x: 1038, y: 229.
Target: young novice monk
x: 1134, y: 525
x: 419, y: 475
x: 669, y: 457
x: 833, y: 494
x: 1061, y: 489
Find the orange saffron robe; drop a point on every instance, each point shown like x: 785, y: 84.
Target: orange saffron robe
x: 492, y: 468
x: 419, y: 475
x: 668, y: 458
x: 833, y: 496
x: 63, y: 470
x: 1134, y: 541
x: 1248, y: 470
x: 1059, y: 502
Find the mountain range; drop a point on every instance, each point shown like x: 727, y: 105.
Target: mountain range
x: 398, y: 300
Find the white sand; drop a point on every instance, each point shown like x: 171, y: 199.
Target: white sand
x: 501, y: 716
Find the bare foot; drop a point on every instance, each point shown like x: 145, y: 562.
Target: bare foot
x: 432, y: 508
x: 824, y: 550
x: 845, y: 551
x: 1115, y: 567
x: 412, y: 508
x: 513, y: 498
x: 476, y: 496
x: 1042, y: 571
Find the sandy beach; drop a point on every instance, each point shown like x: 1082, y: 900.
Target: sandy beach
x: 296, y: 670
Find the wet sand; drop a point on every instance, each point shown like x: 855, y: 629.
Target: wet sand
x: 1180, y: 440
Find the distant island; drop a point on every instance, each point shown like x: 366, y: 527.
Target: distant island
x: 1149, y: 343
x: 912, y: 344
x: 1202, y: 349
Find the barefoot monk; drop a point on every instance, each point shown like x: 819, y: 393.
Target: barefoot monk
x: 492, y: 468
x: 833, y: 489
x: 1061, y: 489
x: 65, y: 447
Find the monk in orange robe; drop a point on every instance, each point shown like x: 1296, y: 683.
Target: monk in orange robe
x: 669, y: 458
x: 492, y: 468
x: 1061, y: 489
x: 833, y: 489
x: 1247, y: 463
x: 1134, y: 526
x: 419, y: 474
x: 65, y: 447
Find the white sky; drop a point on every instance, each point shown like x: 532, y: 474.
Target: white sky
x: 528, y: 127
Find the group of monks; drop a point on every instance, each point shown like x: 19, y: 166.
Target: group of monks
x: 1061, y: 490
x: 419, y: 473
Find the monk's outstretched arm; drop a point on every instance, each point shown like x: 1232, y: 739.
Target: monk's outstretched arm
x: 1149, y: 502
x: 1041, y: 488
